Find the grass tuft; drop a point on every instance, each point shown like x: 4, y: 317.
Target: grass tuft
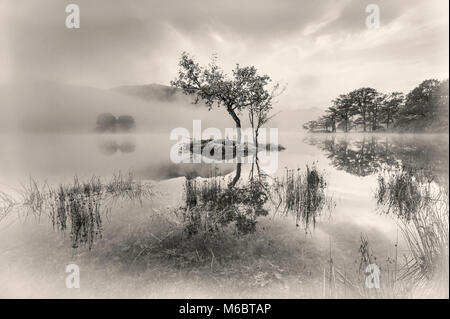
x: 303, y: 194
x: 79, y: 205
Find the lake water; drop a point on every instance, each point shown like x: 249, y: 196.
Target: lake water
x: 351, y: 163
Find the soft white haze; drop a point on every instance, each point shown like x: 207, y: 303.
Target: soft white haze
x: 319, y: 48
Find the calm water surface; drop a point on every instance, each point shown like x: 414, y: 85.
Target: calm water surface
x: 351, y: 162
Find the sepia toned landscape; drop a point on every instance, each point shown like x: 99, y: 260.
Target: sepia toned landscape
x: 155, y: 150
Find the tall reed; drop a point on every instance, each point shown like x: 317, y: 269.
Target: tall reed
x: 422, y: 211
x: 78, y: 206
x: 304, y: 195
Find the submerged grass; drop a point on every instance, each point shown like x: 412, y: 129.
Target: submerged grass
x: 7, y: 204
x: 211, y: 205
x: 371, y: 278
x: 303, y: 194
x: 200, y: 241
x: 34, y: 196
x: 400, y: 192
x: 79, y: 205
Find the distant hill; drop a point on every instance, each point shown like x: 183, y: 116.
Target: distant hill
x: 155, y: 92
x: 49, y: 107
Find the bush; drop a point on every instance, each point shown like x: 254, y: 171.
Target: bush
x: 106, y: 122
x: 126, y: 123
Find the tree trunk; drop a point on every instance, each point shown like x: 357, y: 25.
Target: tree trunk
x: 238, y: 124
x: 237, y: 176
x: 364, y: 121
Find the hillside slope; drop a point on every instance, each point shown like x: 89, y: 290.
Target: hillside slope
x: 153, y: 92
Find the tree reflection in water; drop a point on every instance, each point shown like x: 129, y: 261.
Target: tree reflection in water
x: 369, y: 154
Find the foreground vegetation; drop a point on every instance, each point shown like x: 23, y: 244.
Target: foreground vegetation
x: 422, y: 211
x: 213, y: 203
x: 219, y: 235
x: 238, y: 238
x: 303, y: 194
x: 78, y: 206
x: 210, y: 205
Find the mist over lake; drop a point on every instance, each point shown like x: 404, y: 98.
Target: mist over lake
x: 260, y: 149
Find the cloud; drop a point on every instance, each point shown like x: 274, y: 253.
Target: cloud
x: 136, y: 42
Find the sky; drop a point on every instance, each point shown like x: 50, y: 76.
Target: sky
x: 317, y: 49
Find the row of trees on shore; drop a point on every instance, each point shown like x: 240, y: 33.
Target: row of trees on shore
x: 366, y: 109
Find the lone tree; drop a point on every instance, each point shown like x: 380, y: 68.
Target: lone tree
x: 244, y: 90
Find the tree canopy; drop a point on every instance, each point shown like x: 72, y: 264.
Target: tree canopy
x: 245, y: 89
x: 425, y: 107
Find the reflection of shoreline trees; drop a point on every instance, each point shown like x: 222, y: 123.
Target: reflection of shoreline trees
x: 369, y: 154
